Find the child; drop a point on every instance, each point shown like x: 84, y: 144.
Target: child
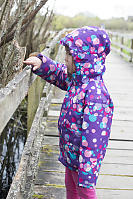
x: 87, y: 110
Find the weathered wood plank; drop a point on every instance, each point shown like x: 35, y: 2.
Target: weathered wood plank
x: 104, y: 181
x: 125, y: 145
x: 54, y: 173
x: 53, y: 192
x: 115, y: 182
x: 122, y: 114
x: 49, y: 192
x: 105, y: 193
x: 117, y: 132
x: 12, y: 95
x: 117, y: 169
x: 53, y: 113
x: 57, y: 101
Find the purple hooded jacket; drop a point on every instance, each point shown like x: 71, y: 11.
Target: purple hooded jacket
x: 87, y: 110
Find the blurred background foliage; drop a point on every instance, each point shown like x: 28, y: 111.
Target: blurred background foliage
x: 60, y: 21
x: 26, y: 25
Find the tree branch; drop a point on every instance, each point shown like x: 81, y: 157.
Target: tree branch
x: 6, y: 38
x: 41, y: 25
x: 34, y: 12
x: 29, y: 5
x: 3, y: 11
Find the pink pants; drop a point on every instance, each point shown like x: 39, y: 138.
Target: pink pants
x: 73, y: 191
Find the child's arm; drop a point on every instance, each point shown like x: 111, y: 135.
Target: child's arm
x: 96, y: 125
x: 53, y: 72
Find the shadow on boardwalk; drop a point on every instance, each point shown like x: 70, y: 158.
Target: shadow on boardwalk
x: 116, y: 176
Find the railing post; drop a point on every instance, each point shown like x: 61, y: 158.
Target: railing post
x: 34, y: 95
x: 122, y: 42
x: 117, y: 38
x: 131, y: 54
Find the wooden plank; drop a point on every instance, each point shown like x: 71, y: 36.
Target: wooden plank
x: 119, y: 115
x: 120, y: 99
x: 54, y: 141
x: 53, y: 176
x: 114, y: 157
x: 55, y: 107
x: 117, y: 169
x: 54, y: 113
x: 119, y: 145
x: 12, y: 95
x: 108, y: 182
x: 121, y: 157
x: 121, y: 132
x: 53, y: 192
x: 117, y: 132
x: 115, y: 182
x: 105, y: 193
x: 50, y: 178
x: 56, y: 101
x: 123, y: 124
x: 49, y: 192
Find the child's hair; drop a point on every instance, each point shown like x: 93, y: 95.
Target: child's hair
x: 67, y: 50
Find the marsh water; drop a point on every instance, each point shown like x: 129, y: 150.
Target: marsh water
x: 12, y: 141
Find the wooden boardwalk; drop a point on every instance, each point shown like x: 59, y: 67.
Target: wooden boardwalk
x: 116, y: 177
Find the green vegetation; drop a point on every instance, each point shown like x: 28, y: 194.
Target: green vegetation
x: 60, y: 21
x: 38, y: 196
x: 55, y: 185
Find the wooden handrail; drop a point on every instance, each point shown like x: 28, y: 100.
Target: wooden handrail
x: 12, y: 95
x: 128, y: 36
x: 23, y: 182
x: 28, y: 166
x: 118, y: 44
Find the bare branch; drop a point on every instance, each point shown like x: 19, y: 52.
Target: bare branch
x: 18, y: 17
x: 8, y: 37
x: 41, y: 26
x: 1, y: 2
x: 48, y: 23
x: 7, y: 12
x: 34, y: 12
x: 3, y: 11
x: 29, y: 5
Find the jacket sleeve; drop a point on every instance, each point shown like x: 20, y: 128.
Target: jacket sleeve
x: 96, y: 126
x: 53, y: 72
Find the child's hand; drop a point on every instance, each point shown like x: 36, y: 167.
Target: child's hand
x: 35, y: 61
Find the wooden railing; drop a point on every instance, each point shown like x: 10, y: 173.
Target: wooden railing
x: 122, y: 44
x: 16, y: 90
x: 10, y: 98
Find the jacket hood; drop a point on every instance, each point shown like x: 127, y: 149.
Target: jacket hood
x: 89, y: 47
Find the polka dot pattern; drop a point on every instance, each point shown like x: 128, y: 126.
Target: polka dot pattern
x: 87, y: 110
